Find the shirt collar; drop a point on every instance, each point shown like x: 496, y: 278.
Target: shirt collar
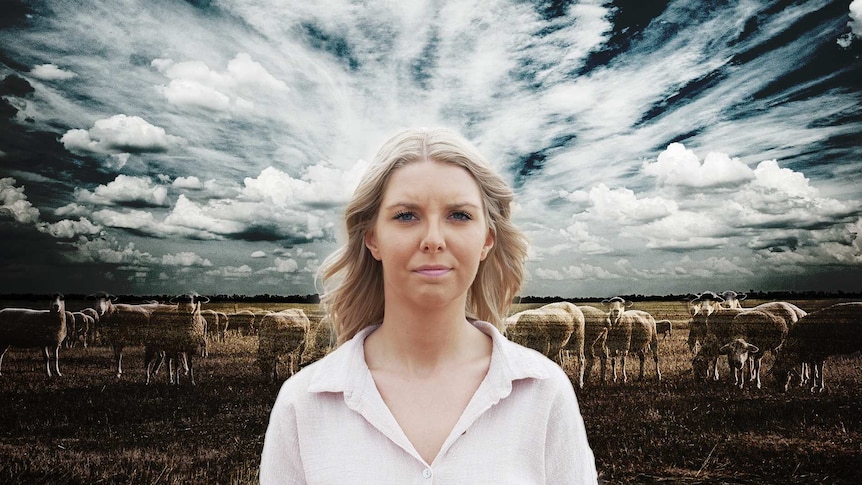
x: 344, y: 370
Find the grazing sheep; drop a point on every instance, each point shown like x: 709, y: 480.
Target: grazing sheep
x: 212, y: 328
x: 281, y: 333
x: 835, y: 330
x: 753, y: 333
x: 546, y: 329
x: 576, y: 340
x: 178, y: 333
x: 629, y: 331
x: 320, y: 341
x: 716, y: 320
x: 242, y: 321
x: 122, y: 325
x: 664, y: 327
x: 221, y: 331
x: 596, y: 324
x: 26, y: 329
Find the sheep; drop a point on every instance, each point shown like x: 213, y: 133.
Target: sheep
x: 596, y: 324
x: 753, y: 333
x: 71, y: 330
x: 212, y: 327
x: 221, y: 331
x: 26, y: 328
x: 121, y: 324
x: 93, y: 335
x: 177, y: 333
x: 576, y: 340
x: 242, y: 321
x: 321, y: 340
x: 83, y: 326
x: 546, y: 329
x: 835, y: 330
x: 664, y: 327
x: 281, y: 333
x: 629, y: 331
x: 765, y: 329
x: 712, y: 323
x: 732, y: 299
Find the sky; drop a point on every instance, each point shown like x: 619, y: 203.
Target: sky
x: 160, y: 147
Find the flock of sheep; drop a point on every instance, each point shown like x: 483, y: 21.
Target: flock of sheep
x: 179, y: 331
x: 718, y: 326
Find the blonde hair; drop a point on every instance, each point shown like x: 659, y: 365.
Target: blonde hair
x: 353, y: 280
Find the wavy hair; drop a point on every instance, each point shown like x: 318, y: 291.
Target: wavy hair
x: 352, y: 279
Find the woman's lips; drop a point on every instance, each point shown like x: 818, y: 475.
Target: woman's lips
x: 432, y: 271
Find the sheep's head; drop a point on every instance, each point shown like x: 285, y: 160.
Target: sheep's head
x: 737, y: 352
x: 697, y: 332
x: 616, y: 307
x: 102, y: 301
x: 786, y: 368
x: 706, y: 303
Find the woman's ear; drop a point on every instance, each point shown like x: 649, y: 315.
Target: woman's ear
x: 371, y: 244
x: 489, y: 243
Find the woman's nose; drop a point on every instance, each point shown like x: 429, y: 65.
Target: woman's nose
x: 433, y: 240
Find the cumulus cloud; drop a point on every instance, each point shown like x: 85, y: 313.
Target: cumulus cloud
x: 194, y: 84
x: 575, y: 272
x: 15, y: 203
x: 71, y: 209
x: 258, y: 254
x: 191, y: 183
x: 51, y: 72
x: 680, y: 166
x: 319, y: 186
x: 119, y: 136
x: 67, y: 229
x: 184, y: 259
x: 108, y: 251
x: 856, y: 17
x: 127, y: 191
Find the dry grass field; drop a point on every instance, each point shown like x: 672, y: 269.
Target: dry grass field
x: 88, y: 427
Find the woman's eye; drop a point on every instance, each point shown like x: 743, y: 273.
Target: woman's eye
x: 405, y: 216
x: 462, y: 216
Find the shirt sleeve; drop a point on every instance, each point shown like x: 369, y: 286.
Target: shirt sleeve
x: 280, y: 461
x: 568, y: 456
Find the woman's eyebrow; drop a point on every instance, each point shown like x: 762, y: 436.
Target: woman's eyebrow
x: 412, y: 206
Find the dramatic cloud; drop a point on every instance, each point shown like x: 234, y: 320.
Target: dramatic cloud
x: 184, y: 259
x: 67, y: 229
x: 119, y: 136
x: 856, y: 17
x: 15, y: 203
x: 128, y: 191
x: 679, y: 166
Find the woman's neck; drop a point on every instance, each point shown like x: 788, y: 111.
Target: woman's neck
x: 419, y: 340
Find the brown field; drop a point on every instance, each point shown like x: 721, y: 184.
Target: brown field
x: 88, y: 427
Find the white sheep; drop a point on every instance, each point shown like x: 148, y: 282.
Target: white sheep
x: 596, y: 324
x: 545, y: 329
x: 835, y: 330
x: 753, y: 333
x: 281, y: 333
x: 177, y: 332
x: 121, y: 324
x: 83, y: 325
x: 629, y: 331
x: 732, y: 299
x: 664, y: 328
x: 576, y: 341
x: 242, y: 321
x: 25, y: 328
x: 93, y: 335
x: 320, y: 341
x: 712, y: 322
x: 71, y: 331
x: 221, y: 331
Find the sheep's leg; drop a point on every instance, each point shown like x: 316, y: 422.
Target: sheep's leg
x: 623, y: 359
x: 817, y: 376
x: 614, y: 367
x: 118, y: 358
x: 57, y: 360
x: 581, y: 363
x: 655, y: 359
x: 642, y: 357
x: 189, y: 363
x: 804, y: 374
x: 714, y: 363
x: 757, y: 363
x: 46, y: 356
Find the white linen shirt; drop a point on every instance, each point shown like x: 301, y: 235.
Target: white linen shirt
x: 329, y: 424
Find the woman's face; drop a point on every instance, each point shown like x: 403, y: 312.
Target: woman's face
x: 430, y: 234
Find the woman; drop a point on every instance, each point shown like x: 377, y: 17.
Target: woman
x: 423, y: 387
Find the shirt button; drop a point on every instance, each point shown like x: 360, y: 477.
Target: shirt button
x: 426, y: 473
